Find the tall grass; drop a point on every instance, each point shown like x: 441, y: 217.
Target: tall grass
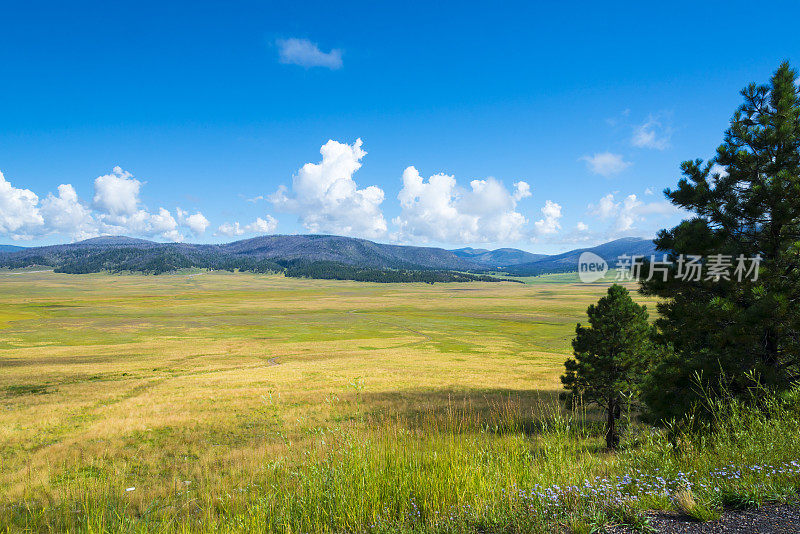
x: 457, y: 471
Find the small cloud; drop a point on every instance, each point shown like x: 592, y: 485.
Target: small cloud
x: 65, y: 213
x: 614, y: 121
x: 624, y: 213
x: 118, y: 209
x: 196, y: 222
x: 117, y: 193
x: 718, y: 169
x: 605, y: 208
x: 307, y: 54
x: 550, y: 223
x: 230, y: 229
x: 606, y: 163
x: 651, y: 134
x: 259, y: 226
x: 263, y: 226
x: 630, y: 212
x: 161, y: 223
x: 255, y: 199
x: 521, y: 190
x: 648, y: 191
x: 19, y: 211
x: 582, y: 226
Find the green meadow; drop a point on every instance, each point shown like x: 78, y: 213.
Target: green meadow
x: 240, y: 402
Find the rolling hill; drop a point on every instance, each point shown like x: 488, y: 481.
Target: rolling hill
x: 301, y: 253
x: 501, y: 257
x: 348, y: 250
x: 267, y: 253
x: 568, y: 261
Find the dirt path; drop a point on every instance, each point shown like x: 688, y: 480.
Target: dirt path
x: 767, y: 519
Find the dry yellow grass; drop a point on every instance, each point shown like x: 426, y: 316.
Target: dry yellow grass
x: 163, y: 380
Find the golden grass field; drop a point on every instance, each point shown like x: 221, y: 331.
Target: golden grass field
x: 163, y: 381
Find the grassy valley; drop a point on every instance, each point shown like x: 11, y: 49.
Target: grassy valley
x: 244, y: 402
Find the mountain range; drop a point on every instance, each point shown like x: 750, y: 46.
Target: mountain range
x: 568, y: 261
x: 501, y: 257
x: 277, y: 252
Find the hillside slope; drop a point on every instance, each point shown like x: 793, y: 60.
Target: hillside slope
x: 261, y: 253
x: 276, y: 253
x: 568, y: 261
x: 500, y: 257
x: 348, y: 250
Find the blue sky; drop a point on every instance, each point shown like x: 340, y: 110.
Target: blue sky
x: 544, y: 126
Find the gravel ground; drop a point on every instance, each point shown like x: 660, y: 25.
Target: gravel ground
x: 768, y: 519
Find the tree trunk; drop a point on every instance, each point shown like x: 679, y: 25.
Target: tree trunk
x: 611, y: 430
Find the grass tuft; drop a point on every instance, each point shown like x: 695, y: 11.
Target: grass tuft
x: 686, y: 503
x: 17, y: 390
x: 739, y: 500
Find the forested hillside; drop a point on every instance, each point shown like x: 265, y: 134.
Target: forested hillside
x: 309, y: 256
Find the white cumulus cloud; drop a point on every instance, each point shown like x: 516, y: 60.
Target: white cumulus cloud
x: 259, y: 226
x: 230, y: 229
x: 327, y: 199
x: 629, y: 213
x: 163, y: 224
x: 307, y: 54
x: 521, y: 190
x: 196, y: 222
x: 116, y: 210
x: 439, y: 210
x: 263, y: 226
x: 117, y: 194
x: 66, y: 214
x: 19, y: 213
x: 550, y: 223
x: 606, y: 163
x: 119, y: 210
x: 142, y: 223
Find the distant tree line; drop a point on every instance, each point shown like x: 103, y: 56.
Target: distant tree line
x: 135, y: 259
x: 331, y: 270
x: 160, y: 260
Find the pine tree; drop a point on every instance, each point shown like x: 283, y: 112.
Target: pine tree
x: 610, y: 357
x: 746, y: 201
